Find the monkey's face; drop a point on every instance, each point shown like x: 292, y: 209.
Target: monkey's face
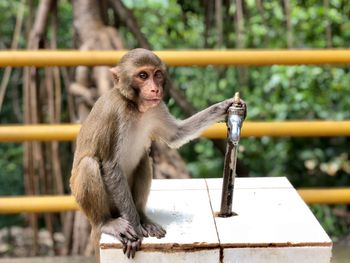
x: 148, y: 81
x: 140, y: 77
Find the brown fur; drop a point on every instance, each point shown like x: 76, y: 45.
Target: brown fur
x: 111, y: 174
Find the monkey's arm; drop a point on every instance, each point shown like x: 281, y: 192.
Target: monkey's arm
x: 176, y: 133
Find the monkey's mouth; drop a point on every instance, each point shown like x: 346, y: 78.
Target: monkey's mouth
x: 152, y: 100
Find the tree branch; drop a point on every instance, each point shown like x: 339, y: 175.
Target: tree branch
x: 14, y: 45
x: 130, y: 21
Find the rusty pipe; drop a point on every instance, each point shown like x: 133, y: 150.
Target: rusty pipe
x: 235, y: 118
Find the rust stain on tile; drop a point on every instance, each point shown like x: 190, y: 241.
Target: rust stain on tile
x: 173, y: 247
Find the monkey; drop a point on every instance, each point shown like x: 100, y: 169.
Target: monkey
x: 112, y: 171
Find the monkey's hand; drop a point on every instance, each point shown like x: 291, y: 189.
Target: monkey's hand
x: 226, y: 104
x: 244, y: 106
x: 128, y: 235
x: 130, y: 247
x: 133, y: 245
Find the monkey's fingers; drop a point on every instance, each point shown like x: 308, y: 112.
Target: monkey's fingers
x: 159, y: 232
x: 122, y: 238
x: 127, y: 249
x: 138, y: 244
x: 131, y: 248
x: 122, y: 229
x: 150, y: 231
x: 244, y: 105
x: 131, y: 234
x: 153, y: 230
x: 125, y: 246
x: 144, y: 231
x: 135, y: 247
x: 133, y: 252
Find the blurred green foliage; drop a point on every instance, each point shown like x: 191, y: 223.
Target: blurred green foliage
x: 272, y: 93
x: 11, y: 177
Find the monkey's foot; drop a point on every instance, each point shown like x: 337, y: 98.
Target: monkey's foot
x: 153, y: 230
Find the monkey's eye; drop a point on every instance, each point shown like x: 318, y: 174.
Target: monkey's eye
x: 143, y: 75
x: 158, y: 75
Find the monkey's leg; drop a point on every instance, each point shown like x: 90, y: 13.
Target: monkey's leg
x: 126, y: 227
x: 141, y: 188
x: 88, y: 189
x: 90, y: 192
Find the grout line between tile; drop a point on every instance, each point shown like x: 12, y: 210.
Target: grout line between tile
x: 216, y: 227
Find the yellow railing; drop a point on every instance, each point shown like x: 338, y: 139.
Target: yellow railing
x: 41, y: 204
x: 255, y: 57
x: 37, y: 204
x: 326, y: 195
x: 67, y: 132
x: 283, y: 129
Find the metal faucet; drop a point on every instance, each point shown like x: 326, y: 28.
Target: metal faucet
x: 235, y: 118
x: 236, y: 115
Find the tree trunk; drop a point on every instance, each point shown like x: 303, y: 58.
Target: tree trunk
x: 219, y: 23
x: 260, y: 8
x: 33, y: 151
x: 240, y: 42
x: 14, y: 45
x: 329, y: 43
x: 130, y: 21
x: 239, y: 25
x: 288, y: 24
x: 208, y: 18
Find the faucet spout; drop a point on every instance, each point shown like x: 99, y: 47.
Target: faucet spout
x: 234, y: 123
x: 235, y: 118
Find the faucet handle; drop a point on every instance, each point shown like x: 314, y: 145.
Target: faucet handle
x: 236, y: 98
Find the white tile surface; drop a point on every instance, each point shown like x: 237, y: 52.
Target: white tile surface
x: 273, y: 224
x: 252, y: 183
x: 204, y: 256
x: 278, y: 255
x: 178, y: 184
x: 187, y: 217
x: 267, y: 216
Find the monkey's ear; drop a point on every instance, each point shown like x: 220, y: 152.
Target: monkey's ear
x: 115, y: 74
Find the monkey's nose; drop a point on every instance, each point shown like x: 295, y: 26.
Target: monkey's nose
x: 155, y: 90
